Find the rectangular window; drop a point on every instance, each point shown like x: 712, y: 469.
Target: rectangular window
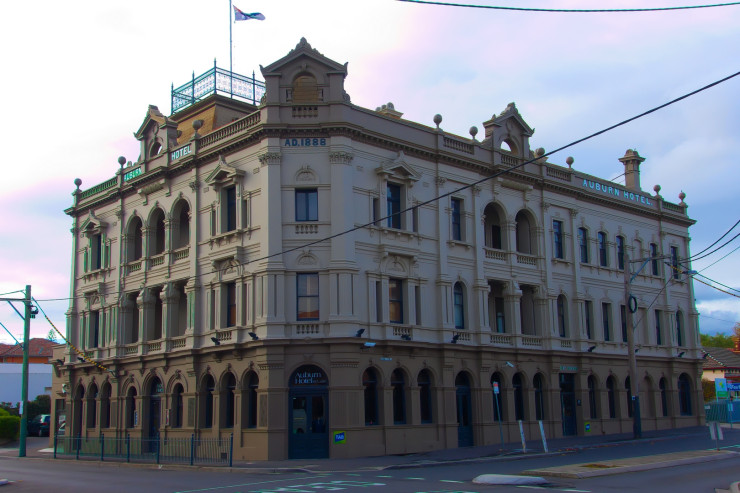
x: 588, y: 308
x: 417, y: 301
x: 456, y: 211
x: 606, y: 309
x: 307, y: 205
x: 561, y: 316
x: 557, y: 239
x: 583, y: 244
x: 307, y: 288
x: 674, y: 263
x: 393, y: 206
x: 378, y: 302
x: 94, y: 329
x: 229, y: 293
x: 654, y: 256
x: 229, y: 209
x: 376, y: 211
x: 658, y: 332
x: 415, y: 219
x: 620, y: 252
x: 96, y: 252
x: 496, y: 236
x: 500, y: 317
x: 395, y: 300
x: 623, y: 315
x: 603, y: 259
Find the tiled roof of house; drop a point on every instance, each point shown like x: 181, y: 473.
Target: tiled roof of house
x: 38, y: 347
x: 720, y: 357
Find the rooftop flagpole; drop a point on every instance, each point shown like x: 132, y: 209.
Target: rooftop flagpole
x: 231, y: 44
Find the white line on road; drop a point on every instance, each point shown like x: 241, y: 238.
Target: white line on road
x: 250, y: 484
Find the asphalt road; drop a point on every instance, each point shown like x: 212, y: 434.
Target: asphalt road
x: 41, y: 475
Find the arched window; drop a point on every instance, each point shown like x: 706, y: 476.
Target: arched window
x: 498, y: 398
x: 562, y: 317
x: 156, y: 225
x: 206, y: 401
x: 524, y: 240
x: 494, y: 231
x: 156, y: 149
x: 679, y: 328
x: 228, y: 401
x: 539, y: 397
x: 252, y: 383
x: 305, y: 89
x: 612, y: 397
x: 370, y: 386
x: 398, y: 384
x: 459, y: 305
x: 92, y: 406
x: 628, y: 388
x: 177, y: 406
x: 516, y: 382
x: 663, y: 396
x: 131, y: 408
x: 181, y: 232
x: 105, y: 406
x: 684, y: 395
x: 135, y: 240
x: 592, y: 401
x: 424, y: 381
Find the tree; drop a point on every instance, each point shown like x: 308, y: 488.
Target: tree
x: 40, y: 405
x: 717, y: 340
x: 52, y: 336
x: 707, y: 387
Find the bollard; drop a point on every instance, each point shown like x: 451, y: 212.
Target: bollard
x: 231, y: 450
x: 102, y: 447
x: 128, y: 447
x: 192, y: 448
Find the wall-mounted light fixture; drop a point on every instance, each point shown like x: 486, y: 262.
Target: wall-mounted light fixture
x: 455, y: 338
x: 591, y: 349
x: 253, y: 336
x: 405, y: 337
x: 359, y: 333
x: 216, y: 342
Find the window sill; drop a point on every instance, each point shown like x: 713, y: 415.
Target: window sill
x: 458, y: 243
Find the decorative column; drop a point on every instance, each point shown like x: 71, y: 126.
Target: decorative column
x: 192, y: 288
x: 169, y: 296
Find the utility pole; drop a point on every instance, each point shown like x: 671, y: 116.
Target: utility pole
x: 24, y: 384
x: 634, y: 385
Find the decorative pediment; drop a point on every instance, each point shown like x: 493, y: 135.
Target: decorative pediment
x: 225, y: 174
x: 513, y: 121
x: 303, y: 50
x: 152, y: 121
x: 92, y: 225
x: 399, y: 169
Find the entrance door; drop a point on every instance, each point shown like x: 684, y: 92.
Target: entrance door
x: 308, y: 422
x: 568, y: 403
x: 464, y: 412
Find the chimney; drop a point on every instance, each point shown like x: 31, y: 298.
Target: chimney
x: 631, y: 161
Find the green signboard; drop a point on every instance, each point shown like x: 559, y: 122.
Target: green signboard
x: 720, y: 387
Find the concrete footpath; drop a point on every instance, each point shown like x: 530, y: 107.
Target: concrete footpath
x: 37, y: 448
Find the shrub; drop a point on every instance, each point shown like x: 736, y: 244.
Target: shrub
x: 3, y: 412
x: 10, y: 427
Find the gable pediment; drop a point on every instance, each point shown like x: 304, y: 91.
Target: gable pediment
x: 224, y: 174
x: 513, y: 121
x: 92, y: 225
x: 400, y: 169
x: 303, y: 50
x: 153, y: 118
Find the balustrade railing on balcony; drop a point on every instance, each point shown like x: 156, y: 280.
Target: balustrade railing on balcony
x: 133, y: 267
x: 182, y: 253
x: 525, y: 259
x: 304, y: 229
x: 306, y: 329
x: 158, y: 260
x: 502, y: 339
x: 534, y: 341
x: 494, y: 254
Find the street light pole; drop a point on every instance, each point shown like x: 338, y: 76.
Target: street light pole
x: 24, y: 382
x: 634, y: 384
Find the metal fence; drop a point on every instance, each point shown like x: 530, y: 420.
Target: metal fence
x: 217, y: 81
x: 723, y: 411
x: 192, y: 451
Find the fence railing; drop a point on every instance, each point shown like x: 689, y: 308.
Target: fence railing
x: 192, y: 451
x: 217, y: 81
x: 724, y: 411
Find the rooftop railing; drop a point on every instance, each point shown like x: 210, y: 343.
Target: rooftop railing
x: 217, y: 81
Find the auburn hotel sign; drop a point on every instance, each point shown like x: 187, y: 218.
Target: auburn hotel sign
x: 616, y: 192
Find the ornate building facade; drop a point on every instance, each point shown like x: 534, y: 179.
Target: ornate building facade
x: 325, y: 280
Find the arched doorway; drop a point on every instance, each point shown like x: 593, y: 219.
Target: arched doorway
x: 155, y: 406
x: 464, y: 411
x: 568, y: 403
x: 308, y: 422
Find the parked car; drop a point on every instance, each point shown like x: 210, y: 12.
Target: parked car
x: 39, y: 426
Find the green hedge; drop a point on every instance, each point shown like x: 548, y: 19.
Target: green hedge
x: 3, y: 412
x: 10, y: 427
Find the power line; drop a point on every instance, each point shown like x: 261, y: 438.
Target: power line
x: 719, y: 319
x: 471, y: 185
x: 716, y: 249
x: 717, y: 282
x: 571, y: 11
x: 693, y: 257
x: 722, y: 258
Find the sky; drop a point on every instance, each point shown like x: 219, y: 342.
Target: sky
x: 78, y: 81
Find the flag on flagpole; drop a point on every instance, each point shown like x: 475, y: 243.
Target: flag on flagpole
x: 242, y: 16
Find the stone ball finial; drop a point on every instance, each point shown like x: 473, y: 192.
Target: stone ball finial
x: 682, y: 196
x: 473, y: 131
x: 78, y: 182
x: 656, y: 188
x: 390, y: 106
x: 437, y: 119
x: 121, y: 160
x: 539, y: 152
x: 569, y: 161
x: 197, y: 124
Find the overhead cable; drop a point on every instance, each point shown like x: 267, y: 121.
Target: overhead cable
x: 570, y: 11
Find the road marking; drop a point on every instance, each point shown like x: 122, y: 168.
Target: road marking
x: 576, y: 491
x: 532, y: 487
x: 450, y: 481
x: 418, y: 479
x: 385, y: 476
x: 246, y: 484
